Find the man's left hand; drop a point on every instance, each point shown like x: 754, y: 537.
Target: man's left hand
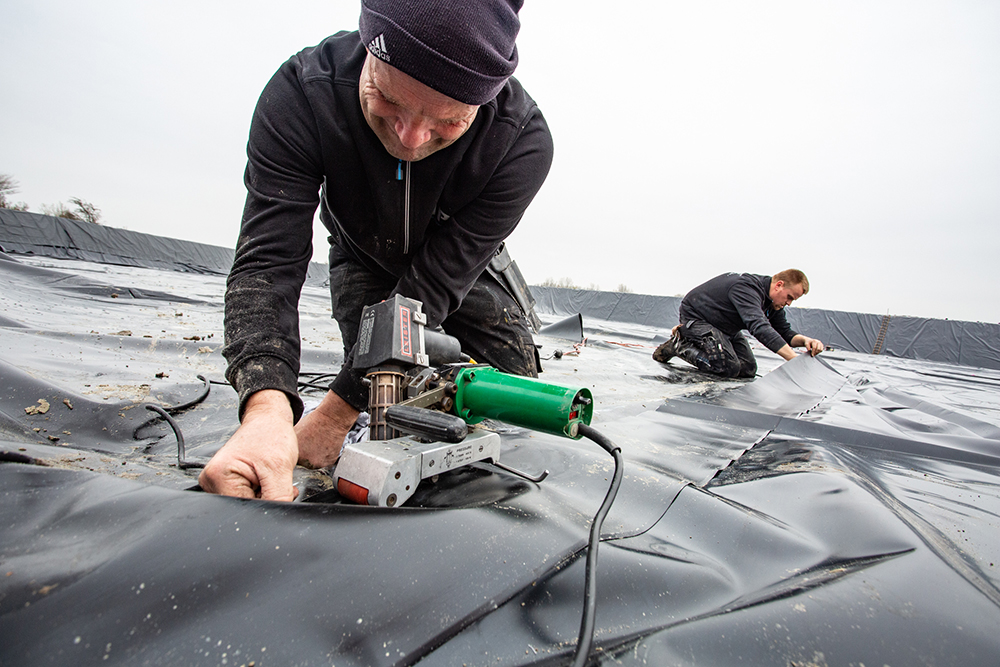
x: 321, y: 433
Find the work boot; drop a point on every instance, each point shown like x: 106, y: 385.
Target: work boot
x: 666, y: 351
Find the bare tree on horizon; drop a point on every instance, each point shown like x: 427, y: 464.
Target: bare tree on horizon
x: 87, y: 211
x: 9, y: 186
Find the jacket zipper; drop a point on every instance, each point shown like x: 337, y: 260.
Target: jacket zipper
x: 406, y: 204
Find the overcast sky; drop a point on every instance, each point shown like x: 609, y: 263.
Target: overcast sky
x: 856, y: 140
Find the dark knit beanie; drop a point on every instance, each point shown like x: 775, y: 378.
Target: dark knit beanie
x: 461, y: 48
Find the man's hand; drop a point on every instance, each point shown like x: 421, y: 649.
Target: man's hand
x: 813, y: 345
x: 321, y: 433
x: 258, y: 460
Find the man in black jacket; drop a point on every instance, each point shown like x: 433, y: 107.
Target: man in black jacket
x: 714, y: 314
x: 422, y: 153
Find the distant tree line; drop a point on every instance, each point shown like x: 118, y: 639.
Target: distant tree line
x: 568, y: 283
x: 76, y: 209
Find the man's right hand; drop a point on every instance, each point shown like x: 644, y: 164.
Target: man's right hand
x: 321, y: 433
x: 258, y: 460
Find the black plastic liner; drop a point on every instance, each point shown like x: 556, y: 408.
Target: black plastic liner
x: 837, y: 510
x: 947, y: 341
x: 27, y: 233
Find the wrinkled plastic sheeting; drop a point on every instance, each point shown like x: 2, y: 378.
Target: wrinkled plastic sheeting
x: 819, y: 547
x: 93, y: 505
x: 840, y: 509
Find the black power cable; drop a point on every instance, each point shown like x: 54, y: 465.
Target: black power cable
x: 316, y: 380
x: 165, y: 413
x: 181, y: 453
x: 586, y: 639
x: 196, y: 400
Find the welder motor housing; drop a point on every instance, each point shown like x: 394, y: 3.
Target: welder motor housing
x: 392, y: 339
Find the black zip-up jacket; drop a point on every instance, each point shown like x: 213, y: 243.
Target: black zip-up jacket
x: 433, y: 224
x: 736, y: 301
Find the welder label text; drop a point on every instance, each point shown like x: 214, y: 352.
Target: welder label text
x: 404, y: 332
x: 459, y: 456
x: 365, y: 335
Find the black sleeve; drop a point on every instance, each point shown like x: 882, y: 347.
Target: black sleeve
x: 749, y: 304
x: 283, y: 177
x: 781, y: 325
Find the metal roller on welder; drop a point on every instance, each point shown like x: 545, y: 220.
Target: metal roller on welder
x: 425, y: 399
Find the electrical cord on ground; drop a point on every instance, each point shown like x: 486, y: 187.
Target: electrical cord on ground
x: 204, y: 394
x: 174, y: 409
x: 313, y: 385
x: 181, y: 462
x: 166, y: 413
x: 586, y: 639
x: 315, y: 380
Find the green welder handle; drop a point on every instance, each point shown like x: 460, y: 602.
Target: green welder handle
x: 483, y: 392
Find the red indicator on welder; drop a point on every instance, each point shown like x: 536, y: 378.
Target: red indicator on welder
x: 404, y: 332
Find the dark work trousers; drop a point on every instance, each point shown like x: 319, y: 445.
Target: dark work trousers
x: 712, y: 351
x: 489, y: 324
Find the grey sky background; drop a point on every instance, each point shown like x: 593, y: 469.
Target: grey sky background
x: 856, y: 140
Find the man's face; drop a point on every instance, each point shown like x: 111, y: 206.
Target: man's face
x: 782, y: 294
x: 410, y: 119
